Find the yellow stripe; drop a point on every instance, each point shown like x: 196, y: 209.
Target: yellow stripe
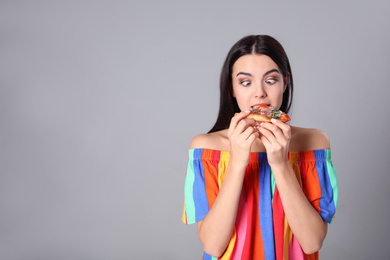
x: 184, y: 216
x: 287, y: 238
x: 287, y: 230
x: 222, y: 165
x: 229, y: 249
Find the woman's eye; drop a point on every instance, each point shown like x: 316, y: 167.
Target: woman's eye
x: 271, y: 81
x: 245, y: 83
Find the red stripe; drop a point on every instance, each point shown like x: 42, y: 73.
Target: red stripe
x: 312, y: 256
x: 278, y: 218
x: 253, y: 247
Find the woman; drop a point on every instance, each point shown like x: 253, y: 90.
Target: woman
x: 259, y: 191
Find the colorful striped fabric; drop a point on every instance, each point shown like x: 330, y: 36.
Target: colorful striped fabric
x: 261, y: 230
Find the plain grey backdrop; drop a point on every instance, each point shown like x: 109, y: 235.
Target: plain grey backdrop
x: 99, y: 101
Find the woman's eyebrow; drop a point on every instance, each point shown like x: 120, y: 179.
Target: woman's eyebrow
x: 270, y: 71
x: 265, y: 74
x: 244, y: 73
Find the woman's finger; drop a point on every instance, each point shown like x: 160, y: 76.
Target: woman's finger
x: 244, y: 124
x: 245, y: 135
x: 280, y: 129
x: 274, y: 130
x: 253, y: 137
x: 286, y: 129
x: 268, y: 134
x: 236, y: 119
x: 263, y: 138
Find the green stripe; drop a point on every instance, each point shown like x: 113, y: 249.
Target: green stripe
x: 332, y: 177
x: 189, y: 190
x: 333, y: 181
x: 272, y: 186
x: 328, y: 154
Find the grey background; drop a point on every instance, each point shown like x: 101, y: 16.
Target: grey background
x: 87, y: 173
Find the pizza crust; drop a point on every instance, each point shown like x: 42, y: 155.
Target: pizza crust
x: 259, y: 118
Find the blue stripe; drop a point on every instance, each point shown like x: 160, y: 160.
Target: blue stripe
x: 208, y: 257
x: 265, y: 209
x: 327, y: 206
x: 199, y: 191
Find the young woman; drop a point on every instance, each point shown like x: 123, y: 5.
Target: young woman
x: 259, y: 191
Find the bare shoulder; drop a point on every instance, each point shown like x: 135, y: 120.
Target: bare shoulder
x: 305, y: 139
x: 200, y: 141
x: 217, y: 141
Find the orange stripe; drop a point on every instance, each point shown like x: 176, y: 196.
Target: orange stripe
x: 210, y: 177
x: 311, y: 184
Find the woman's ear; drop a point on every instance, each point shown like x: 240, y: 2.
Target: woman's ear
x: 286, y: 79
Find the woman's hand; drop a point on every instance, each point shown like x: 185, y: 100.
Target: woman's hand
x: 306, y: 224
x: 276, y: 138
x: 241, y: 135
x: 215, y: 230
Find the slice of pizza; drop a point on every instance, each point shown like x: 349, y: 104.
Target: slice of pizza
x: 264, y: 113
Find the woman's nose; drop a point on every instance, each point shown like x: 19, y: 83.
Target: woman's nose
x: 259, y: 90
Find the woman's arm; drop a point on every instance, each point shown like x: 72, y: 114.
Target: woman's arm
x: 305, y: 222
x: 215, y: 230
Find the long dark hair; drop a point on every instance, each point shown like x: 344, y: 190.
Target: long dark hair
x: 252, y: 44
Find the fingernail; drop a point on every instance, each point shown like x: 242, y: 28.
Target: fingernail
x: 247, y: 111
x: 262, y: 123
x: 273, y: 120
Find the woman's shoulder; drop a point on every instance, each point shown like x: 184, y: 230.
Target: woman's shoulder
x: 306, y: 139
x: 302, y: 139
x: 216, y: 141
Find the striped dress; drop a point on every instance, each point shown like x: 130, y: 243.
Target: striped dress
x: 261, y: 229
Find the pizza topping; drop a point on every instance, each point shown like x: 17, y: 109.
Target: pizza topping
x: 264, y: 113
x: 269, y: 112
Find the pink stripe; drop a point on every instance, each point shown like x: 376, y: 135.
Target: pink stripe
x: 240, y: 226
x: 295, y: 251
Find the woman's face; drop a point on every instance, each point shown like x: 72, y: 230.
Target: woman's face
x: 257, y: 80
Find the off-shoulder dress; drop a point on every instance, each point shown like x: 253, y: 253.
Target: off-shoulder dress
x: 261, y: 229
